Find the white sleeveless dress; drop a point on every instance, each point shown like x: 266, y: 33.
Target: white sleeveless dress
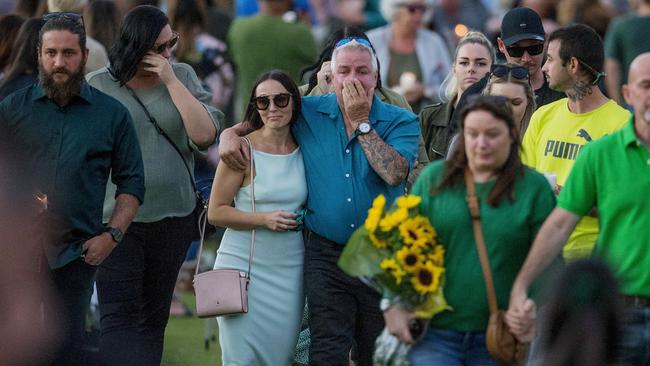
x: 268, y: 333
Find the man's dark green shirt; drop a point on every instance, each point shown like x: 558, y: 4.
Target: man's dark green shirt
x: 70, y: 151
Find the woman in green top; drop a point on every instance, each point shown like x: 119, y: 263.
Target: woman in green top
x: 472, y: 60
x: 514, y: 202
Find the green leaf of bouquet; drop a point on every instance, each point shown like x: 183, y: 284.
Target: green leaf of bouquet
x: 360, y: 257
x: 433, y: 305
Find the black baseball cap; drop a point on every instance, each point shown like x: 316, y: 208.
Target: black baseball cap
x: 519, y: 24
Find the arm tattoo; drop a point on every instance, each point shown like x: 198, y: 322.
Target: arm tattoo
x: 384, y: 160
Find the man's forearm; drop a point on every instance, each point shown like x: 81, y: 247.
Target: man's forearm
x: 126, y: 206
x: 384, y: 160
x: 240, y: 129
x: 547, y: 245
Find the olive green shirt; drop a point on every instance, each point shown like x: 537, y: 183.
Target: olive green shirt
x: 434, y: 120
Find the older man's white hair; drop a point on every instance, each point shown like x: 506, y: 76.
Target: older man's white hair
x: 354, y: 45
x: 388, y: 8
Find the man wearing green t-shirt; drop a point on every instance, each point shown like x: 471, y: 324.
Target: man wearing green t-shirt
x: 266, y: 41
x: 613, y: 174
x: 626, y: 38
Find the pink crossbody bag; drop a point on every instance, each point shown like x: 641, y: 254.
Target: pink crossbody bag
x: 224, y: 291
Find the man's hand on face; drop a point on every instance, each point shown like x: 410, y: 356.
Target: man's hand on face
x: 356, y: 101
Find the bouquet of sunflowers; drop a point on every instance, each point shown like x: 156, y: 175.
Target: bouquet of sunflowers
x: 397, y: 253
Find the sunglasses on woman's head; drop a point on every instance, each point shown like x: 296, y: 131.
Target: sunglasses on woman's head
x: 518, y: 51
x: 280, y: 100
x: 159, y: 49
x: 517, y: 72
x: 345, y: 41
x: 413, y: 8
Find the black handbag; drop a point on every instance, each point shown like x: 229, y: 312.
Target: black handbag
x: 200, y: 213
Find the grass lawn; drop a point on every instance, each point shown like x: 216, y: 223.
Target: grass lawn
x: 184, y: 341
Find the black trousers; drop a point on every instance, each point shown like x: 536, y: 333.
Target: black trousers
x: 135, y: 286
x: 73, y: 285
x: 342, y: 309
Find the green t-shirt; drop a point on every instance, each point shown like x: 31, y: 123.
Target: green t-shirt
x: 626, y: 38
x: 262, y: 43
x: 614, y: 173
x: 508, y: 229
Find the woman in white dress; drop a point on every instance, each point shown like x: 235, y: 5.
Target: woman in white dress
x: 267, y: 334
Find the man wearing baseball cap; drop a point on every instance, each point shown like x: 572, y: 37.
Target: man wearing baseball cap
x: 522, y: 43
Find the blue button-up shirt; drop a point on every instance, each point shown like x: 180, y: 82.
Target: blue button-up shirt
x: 70, y: 150
x: 340, y: 181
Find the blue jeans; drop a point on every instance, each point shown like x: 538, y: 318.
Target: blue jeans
x: 135, y: 286
x: 451, y: 348
x: 342, y: 309
x: 635, y: 346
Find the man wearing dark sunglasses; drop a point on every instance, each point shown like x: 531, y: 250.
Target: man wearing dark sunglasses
x: 74, y: 137
x: 522, y: 43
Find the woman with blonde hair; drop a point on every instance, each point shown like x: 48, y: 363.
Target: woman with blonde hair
x: 513, y: 82
x: 472, y: 60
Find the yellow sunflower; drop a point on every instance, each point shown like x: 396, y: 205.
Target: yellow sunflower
x: 391, y: 220
x: 427, y: 278
x: 372, y: 221
x: 391, y: 266
x: 412, y: 234
x: 410, y: 258
x: 375, y: 212
x: 378, y: 243
x: 424, y: 224
x: 437, y: 257
x: 409, y: 201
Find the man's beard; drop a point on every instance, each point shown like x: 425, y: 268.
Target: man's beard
x: 61, y: 90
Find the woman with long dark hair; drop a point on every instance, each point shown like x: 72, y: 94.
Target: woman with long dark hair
x: 23, y: 62
x: 135, y: 284
x: 268, y: 333
x: 514, y: 201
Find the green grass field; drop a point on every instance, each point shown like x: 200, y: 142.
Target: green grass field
x: 184, y: 341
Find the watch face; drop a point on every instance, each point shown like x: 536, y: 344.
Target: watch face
x: 116, y: 234
x: 364, y: 127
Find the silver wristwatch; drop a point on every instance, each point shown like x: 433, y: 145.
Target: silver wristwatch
x: 363, y: 127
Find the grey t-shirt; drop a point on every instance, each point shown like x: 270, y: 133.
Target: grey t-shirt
x: 169, y: 192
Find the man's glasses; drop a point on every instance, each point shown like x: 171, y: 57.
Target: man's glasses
x: 517, y: 72
x: 64, y: 15
x: 518, y: 51
x: 280, y: 100
x: 413, y: 8
x: 345, y: 41
x: 159, y: 49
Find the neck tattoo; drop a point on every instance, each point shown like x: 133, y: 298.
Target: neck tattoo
x: 579, y: 91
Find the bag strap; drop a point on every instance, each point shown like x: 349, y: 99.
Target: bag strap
x: 472, y: 203
x: 169, y: 140
x: 204, y: 216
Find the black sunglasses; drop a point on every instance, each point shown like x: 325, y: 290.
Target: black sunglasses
x: 64, y: 15
x: 280, y: 100
x: 517, y: 72
x: 518, y: 51
x: 413, y: 8
x: 167, y: 45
